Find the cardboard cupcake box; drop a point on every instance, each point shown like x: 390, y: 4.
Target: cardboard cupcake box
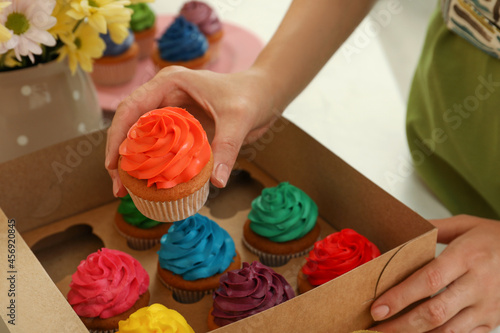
x: 61, y: 204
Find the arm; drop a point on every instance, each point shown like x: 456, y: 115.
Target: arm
x: 243, y: 105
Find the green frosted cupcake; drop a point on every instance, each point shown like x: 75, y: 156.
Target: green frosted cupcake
x: 281, y: 225
x: 143, y: 24
x: 141, y: 232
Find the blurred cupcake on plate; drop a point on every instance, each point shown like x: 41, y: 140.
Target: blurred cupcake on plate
x: 119, y: 62
x: 143, y: 24
x: 182, y: 44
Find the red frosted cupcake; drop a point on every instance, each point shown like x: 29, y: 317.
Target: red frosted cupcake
x: 333, y: 256
x: 108, y: 287
x: 166, y: 163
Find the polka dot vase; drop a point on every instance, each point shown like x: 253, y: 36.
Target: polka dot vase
x: 44, y: 105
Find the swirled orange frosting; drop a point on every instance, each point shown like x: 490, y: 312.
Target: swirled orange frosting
x: 166, y: 147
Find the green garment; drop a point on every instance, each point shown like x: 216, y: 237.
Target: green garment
x: 453, y: 122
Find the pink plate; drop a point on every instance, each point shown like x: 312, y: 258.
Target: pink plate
x: 238, y: 50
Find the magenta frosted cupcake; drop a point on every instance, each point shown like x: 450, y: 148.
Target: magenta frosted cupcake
x: 108, y: 287
x: 245, y: 292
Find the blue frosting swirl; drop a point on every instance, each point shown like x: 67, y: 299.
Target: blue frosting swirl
x: 182, y: 41
x: 196, y: 248
x: 113, y: 49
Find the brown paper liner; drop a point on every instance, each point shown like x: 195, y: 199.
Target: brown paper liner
x: 275, y: 260
x: 172, y: 211
x: 140, y: 244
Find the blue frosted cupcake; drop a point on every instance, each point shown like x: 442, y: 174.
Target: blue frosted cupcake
x: 194, y: 254
x: 118, y: 63
x: 182, y: 44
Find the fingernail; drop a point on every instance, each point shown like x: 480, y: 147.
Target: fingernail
x: 222, y: 174
x: 380, y: 312
x: 115, y: 188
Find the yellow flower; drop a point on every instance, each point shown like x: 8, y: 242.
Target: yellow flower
x: 10, y: 59
x: 5, y: 34
x: 103, y: 15
x: 65, y: 24
x: 82, y: 47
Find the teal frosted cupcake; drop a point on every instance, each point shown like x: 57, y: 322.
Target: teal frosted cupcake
x: 194, y: 254
x: 182, y: 44
x: 281, y: 225
x: 141, y: 232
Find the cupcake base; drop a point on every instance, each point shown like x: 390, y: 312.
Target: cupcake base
x: 184, y: 291
x: 146, y: 41
x: 172, y: 204
x: 98, y: 325
x: 276, y: 254
x: 197, y: 63
x: 112, y: 71
x: 137, y: 238
x: 303, y: 283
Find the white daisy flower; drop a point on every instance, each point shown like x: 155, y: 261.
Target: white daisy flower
x: 5, y: 34
x: 28, y: 22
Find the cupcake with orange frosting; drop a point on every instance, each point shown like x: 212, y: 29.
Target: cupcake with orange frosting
x: 245, y: 292
x: 193, y: 255
x: 141, y: 232
x: 182, y: 44
x: 108, y: 287
x: 333, y: 256
x: 281, y: 225
x: 206, y: 19
x: 155, y: 318
x: 165, y: 164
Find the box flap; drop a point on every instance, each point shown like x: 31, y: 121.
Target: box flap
x: 56, y: 182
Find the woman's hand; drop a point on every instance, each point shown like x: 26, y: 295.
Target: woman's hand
x: 469, y: 269
x: 233, y: 108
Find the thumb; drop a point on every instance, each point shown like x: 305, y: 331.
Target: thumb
x: 226, y: 145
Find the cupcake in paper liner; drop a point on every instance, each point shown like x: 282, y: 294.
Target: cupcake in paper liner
x: 165, y: 164
x: 108, y: 286
x: 141, y: 232
x: 281, y: 225
x: 118, y: 63
x: 207, y: 21
x: 193, y: 255
x: 155, y: 318
x: 333, y: 256
x: 143, y: 25
x: 247, y: 291
x: 182, y: 44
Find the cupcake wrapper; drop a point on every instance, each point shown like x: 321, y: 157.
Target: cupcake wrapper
x: 172, y: 211
x: 139, y: 243
x: 275, y: 260
x: 114, y: 74
x: 145, y: 47
x: 103, y: 331
x: 187, y: 296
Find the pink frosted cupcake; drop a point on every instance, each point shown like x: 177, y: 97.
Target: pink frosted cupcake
x: 108, y: 287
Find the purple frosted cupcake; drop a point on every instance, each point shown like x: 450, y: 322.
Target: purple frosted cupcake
x: 247, y: 291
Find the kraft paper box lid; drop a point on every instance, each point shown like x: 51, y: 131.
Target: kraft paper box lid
x: 47, y: 190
